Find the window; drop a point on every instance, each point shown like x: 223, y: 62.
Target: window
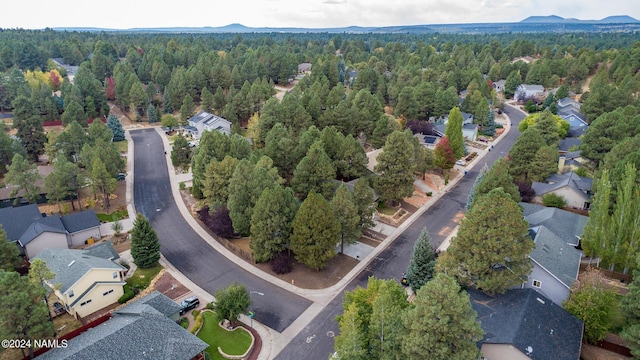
x: 107, y: 293
x: 85, y: 302
x: 537, y: 283
x: 115, y: 274
x: 71, y: 293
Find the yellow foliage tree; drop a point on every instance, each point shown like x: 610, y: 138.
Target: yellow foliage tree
x: 253, y: 128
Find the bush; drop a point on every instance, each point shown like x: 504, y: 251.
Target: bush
x: 210, y: 306
x: 128, y: 294
x: 197, y: 321
x: 195, y: 313
x: 429, y: 193
x: 184, y: 322
x: 281, y: 264
x: 182, y: 185
x: 219, y: 221
x: 526, y: 191
x: 553, y: 200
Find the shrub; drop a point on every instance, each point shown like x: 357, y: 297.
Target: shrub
x: 582, y: 172
x: 184, y: 322
x: 128, y: 294
x: 210, y: 306
x: 429, y: 193
x: 526, y: 191
x: 195, y: 313
x: 219, y: 221
x: 197, y: 321
x: 281, y: 264
x: 182, y: 185
x: 553, y: 200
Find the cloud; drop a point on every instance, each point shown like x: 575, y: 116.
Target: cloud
x: 334, y: 2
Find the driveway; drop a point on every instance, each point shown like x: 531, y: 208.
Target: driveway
x: 187, y: 251
x: 315, y: 341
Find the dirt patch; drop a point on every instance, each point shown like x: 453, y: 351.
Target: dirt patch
x: 117, y: 200
x: 170, y: 287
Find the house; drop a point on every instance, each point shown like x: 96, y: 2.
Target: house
x: 525, y: 59
x: 523, y: 324
x: 204, y: 121
x: 568, y: 103
x: 83, y: 283
x: 145, y: 329
x: 556, y: 260
x: 469, y: 129
x: 6, y: 200
x: 430, y: 141
x: 304, y: 68
x: 575, y: 190
x: 567, y: 144
x: 574, y: 118
x: 33, y: 231
x: 570, y: 161
x: 525, y: 92
x: 499, y: 85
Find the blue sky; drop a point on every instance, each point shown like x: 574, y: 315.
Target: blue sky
x: 125, y: 14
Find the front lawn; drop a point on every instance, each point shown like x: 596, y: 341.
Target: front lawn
x: 141, y: 278
x: 384, y: 209
x: 122, y: 146
x: 234, y: 342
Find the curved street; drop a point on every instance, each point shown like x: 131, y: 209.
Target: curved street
x: 315, y: 341
x: 187, y: 251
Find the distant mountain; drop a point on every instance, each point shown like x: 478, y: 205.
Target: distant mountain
x: 532, y: 24
x: 544, y: 19
x: 618, y: 19
x: 624, y: 19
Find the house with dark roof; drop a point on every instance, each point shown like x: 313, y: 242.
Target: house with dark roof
x: 567, y: 144
x: 574, y: 189
x: 570, y: 162
x: 144, y: 329
x: 499, y: 85
x: 469, y: 129
x: 33, y: 231
x: 204, y: 121
x: 84, y: 283
x: 304, y: 68
x: 523, y: 324
x: 556, y: 259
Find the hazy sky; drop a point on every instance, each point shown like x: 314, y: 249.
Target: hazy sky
x: 125, y: 14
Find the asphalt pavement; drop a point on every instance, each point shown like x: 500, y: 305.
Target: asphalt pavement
x: 187, y: 251
x: 315, y: 340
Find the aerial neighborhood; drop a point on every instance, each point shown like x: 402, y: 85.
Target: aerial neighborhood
x: 319, y: 195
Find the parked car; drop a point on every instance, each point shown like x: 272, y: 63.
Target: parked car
x: 188, y: 304
x: 461, y: 162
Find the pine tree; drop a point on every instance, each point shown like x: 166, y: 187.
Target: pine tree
x: 23, y: 313
x: 523, y: 151
x: 315, y: 232
x: 114, y: 124
x: 454, y: 132
x: 346, y: 213
x: 187, y: 109
x: 167, y: 106
x: 145, y: 247
x: 422, y: 263
x: 545, y: 163
x: 23, y: 175
x: 472, y: 194
x: 492, y: 247
x: 315, y: 172
x: 548, y: 127
x: 351, y: 160
x: 216, y: 183
x: 363, y: 198
x: 9, y: 254
x: 395, y: 168
x: 152, y: 116
x: 271, y: 222
x: 497, y: 176
x: 442, y: 324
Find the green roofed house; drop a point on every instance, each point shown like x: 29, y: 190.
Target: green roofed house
x: 145, y: 329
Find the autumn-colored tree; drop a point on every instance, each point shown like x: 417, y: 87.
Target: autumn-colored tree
x: 443, y: 156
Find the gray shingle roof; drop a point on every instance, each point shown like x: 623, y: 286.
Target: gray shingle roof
x: 155, y: 300
x: 580, y: 185
x: 564, y: 224
x: 80, y: 221
x: 38, y: 226
x: 15, y: 220
x: 568, y: 143
x: 530, y: 322
x: 144, y: 335
x: 103, y: 250
x: 559, y: 258
x: 70, y: 265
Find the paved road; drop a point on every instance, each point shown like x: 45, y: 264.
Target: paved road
x: 187, y: 251
x: 315, y: 341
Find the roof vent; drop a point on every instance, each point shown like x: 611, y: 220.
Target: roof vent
x: 551, y: 331
x: 540, y: 300
x: 529, y: 350
x: 72, y: 262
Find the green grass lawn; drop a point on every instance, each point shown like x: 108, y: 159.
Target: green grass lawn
x: 384, y: 209
x: 122, y: 146
x: 142, y: 277
x: 234, y: 342
x: 116, y: 215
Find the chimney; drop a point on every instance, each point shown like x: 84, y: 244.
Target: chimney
x: 561, y: 164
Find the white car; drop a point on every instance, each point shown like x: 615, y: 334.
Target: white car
x: 461, y: 162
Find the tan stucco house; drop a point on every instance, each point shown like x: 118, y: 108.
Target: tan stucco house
x: 574, y: 189
x: 86, y: 280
